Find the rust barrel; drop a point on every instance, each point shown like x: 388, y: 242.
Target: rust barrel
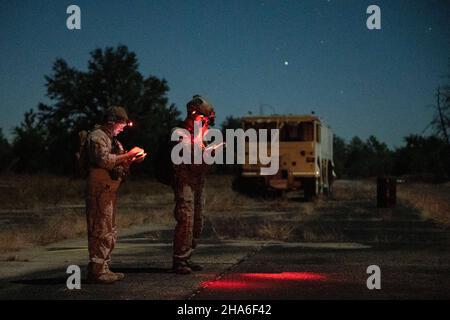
x: 386, y: 192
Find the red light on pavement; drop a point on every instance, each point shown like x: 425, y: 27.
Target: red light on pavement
x: 227, y: 284
x: 295, y: 276
x: 243, y: 281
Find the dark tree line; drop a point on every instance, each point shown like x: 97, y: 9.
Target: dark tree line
x: 47, y: 139
x: 422, y: 158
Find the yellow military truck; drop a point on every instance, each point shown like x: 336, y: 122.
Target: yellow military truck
x: 305, y: 156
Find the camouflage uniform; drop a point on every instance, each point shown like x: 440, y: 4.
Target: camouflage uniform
x: 101, y: 197
x: 188, y: 186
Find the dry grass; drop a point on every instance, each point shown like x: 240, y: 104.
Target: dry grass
x: 66, y: 225
x: 221, y: 198
x: 275, y: 231
x: 41, y: 191
x: 128, y: 217
x: 235, y: 228
x: 348, y: 190
x: 330, y: 235
x: 35, y: 191
x: 45, y: 218
x: 48, y: 230
x: 225, y: 207
x: 432, y: 200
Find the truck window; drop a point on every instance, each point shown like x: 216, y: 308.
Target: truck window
x: 303, y: 131
x: 318, y: 129
x: 261, y: 125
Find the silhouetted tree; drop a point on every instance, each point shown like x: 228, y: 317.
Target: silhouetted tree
x: 380, y: 157
x: 81, y: 97
x: 361, y: 159
x: 5, y: 152
x: 423, y: 157
x: 339, y: 156
x: 29, y: 145
x: 357, y: 159
x: 441, y: 119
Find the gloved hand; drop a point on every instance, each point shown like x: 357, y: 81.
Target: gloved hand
x: 139, y: 158
x: 135, y: 151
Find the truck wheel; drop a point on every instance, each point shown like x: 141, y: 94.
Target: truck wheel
x: 309, y: 188
x: 328, y: 192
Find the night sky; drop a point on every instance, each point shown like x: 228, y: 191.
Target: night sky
x: 290, y: 56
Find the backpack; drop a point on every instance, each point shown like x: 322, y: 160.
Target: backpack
x: 81, y: 156
x: 164, y: 172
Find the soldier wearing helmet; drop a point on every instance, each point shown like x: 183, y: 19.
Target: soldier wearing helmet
x: 188, y: 186
x: 108, y: 164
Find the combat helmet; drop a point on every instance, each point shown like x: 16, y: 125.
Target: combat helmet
x: 116, y: 114
x: 198, y: 105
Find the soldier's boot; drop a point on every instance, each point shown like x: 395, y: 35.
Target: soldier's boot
x: 194, y: 266
x: 104, y: 278
x: 119, y: 275
x: 98, y: 273
x: 181, y: 267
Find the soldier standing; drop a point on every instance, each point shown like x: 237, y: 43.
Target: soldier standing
x: 108, y: 164
x: 188, y: 186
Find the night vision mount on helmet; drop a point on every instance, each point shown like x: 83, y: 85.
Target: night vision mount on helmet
x: 199, y: 106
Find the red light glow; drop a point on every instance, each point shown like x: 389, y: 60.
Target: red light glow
x: 227, y: 284
x: 261, y: 280
x: 295, y: 276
